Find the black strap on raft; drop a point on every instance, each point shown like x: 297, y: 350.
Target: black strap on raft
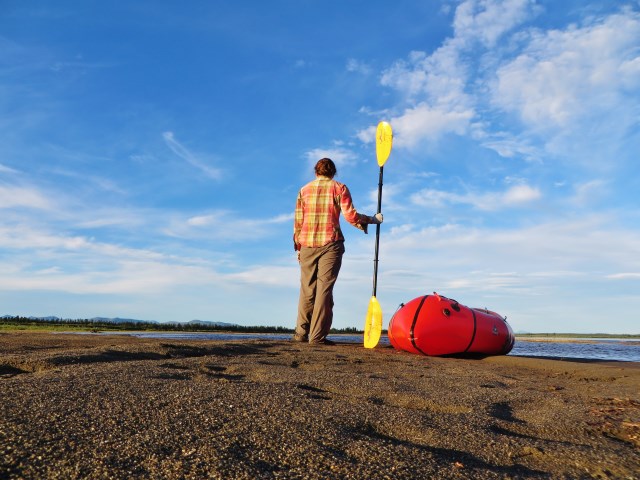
x: 390, y: 329
x: 413, y: 325
x: 394, y: 316
x: 473, y: 337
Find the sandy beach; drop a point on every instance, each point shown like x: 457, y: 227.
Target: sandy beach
x: 98, y: 406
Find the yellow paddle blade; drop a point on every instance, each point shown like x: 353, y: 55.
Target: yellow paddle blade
x: 384, y: 139
x: 373, y: 324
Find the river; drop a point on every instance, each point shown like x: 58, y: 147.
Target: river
x: 588, y: 349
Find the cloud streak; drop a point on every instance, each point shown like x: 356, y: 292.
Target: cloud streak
x: 5, y: 169
x: 515, y: 196
x: 189, y: 157
x: 23, y: 197
x: 226, y: 226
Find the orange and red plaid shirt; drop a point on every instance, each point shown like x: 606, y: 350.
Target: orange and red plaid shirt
x: 317, y: 216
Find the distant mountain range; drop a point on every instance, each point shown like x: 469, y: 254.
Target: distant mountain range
x: 129, y: 320
x: 211, y: 324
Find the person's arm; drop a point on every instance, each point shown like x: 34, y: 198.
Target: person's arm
x: 351, y: 215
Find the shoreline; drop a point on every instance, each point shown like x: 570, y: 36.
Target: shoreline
x: 97, y: 406
x: 579, y: 338
x: 567, y: 339
x: 59, y: 328
x: 383, y: 341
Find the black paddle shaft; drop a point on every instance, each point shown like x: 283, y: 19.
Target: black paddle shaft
x: 375, y: 258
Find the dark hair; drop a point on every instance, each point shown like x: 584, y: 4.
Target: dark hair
x: 326, y: 168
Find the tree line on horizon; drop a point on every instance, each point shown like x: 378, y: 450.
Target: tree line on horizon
x: 97, y: 325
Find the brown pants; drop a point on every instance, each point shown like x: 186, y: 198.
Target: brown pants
x: 319, y: 268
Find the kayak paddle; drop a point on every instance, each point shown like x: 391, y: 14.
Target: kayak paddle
x: 373, y: 322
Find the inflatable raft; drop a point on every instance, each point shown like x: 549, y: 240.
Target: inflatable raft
x: 436, y: 325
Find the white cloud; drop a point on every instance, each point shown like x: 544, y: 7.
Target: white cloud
x: 509, y: 146
x: 437, y: 85
x: 124, y: 277
x: 41, y: 260
x: 564, y: 78
x: 225, y: 225
x: 514, y: 196
x: 358, y: 66
x: 572, y: 90
x: 439, y: 78
x: 96, y: 182
x: 13, y: 197
x: 341, y: 156
x: 202, y: 220
x: 630, y: 70
x: 541, y: 251
x: 520, y: 194
x: 185, y: 154
x: 432, y: 198
x: 368, y: 134
x: 272, y: 275
x: 425, y: 122
x: 589, y: 192
x: 408, y: 76
x: 25, y: 238
x: 5, y: 169
x: 223, y: 217
x: 487, y: 20
x: 106, y: 217
x: 624, y: 276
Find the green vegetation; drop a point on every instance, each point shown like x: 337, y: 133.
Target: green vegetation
x: 10, y: 325
x: 92, y: 325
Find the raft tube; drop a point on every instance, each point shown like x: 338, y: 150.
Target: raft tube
x: 436, y: 325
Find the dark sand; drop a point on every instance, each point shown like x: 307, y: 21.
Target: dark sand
x: 93, y: 406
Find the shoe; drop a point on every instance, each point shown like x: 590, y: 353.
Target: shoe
x: 300, y: 338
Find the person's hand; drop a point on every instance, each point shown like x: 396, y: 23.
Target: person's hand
x: 377, y: 219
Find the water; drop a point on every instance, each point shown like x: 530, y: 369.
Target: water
x: 590, y: 349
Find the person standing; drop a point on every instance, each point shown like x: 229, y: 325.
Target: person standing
x: 319, y: 241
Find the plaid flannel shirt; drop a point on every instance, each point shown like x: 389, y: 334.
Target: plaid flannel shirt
x: 317, y: 216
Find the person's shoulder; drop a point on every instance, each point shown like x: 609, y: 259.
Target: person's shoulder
x: 340, y: 187
x: 337, y: 184
x: 308, y: 185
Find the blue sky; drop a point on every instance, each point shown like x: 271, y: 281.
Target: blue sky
x: 151, y: 153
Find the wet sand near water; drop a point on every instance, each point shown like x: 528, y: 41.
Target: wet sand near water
x: 97, y: 406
